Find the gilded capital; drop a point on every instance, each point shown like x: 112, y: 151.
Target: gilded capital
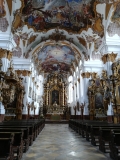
x: 3, y: 53
x: 78, y: 80
x: 23, y: 72
x: 93, y: 75
x: 109, y: 57
x: 86, y: 74
x: 9, y: 55
x: 112, y: 56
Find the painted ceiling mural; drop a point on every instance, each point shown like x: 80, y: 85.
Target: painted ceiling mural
x: 56, y: 58
x: 72, y: 15
x: 114, y: 26
x: 3, y: 20
x: 78, y: 22
x: 2, y: 10
x: 116, y: 14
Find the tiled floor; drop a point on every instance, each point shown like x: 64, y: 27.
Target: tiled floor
x: 59, y: 142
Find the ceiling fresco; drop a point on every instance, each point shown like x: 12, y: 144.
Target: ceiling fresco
x: 2, y: 10
x: 72, y: 15
x: 56, y: 58
x: 78, y: 24
x: 114, y: 26
x: 3, y: 20
x: 116, y: 14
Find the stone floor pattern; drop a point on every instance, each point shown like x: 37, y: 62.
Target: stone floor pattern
x: 59, y: 142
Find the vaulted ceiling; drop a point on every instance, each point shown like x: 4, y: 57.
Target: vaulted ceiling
x: 57, y: 34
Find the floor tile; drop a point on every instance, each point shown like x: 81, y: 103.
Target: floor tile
x: 59, y: 142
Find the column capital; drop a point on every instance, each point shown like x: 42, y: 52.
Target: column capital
x: 86, y: 74
x: 109, y: 57
x: 23, y: 72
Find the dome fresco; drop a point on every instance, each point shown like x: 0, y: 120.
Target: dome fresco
x: 56, y: 58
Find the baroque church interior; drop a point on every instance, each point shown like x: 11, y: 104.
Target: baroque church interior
x: 59, y: 74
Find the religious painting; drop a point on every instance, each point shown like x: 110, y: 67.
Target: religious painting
x: 55, y: 97
x: 98, y: 101
x: 2, y: 10
x: 67, y: 14
x: 56, y: 58
x: 97, y: 82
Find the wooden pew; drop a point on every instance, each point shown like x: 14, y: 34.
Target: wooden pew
x: 37, y: 126
x: 6, y: 152
x: 17, y: 145
x: 114, y: 145
x: 105, y: 137
x: 24, y: 134
x: 26, y: 127
x: 30, y: 130
x: 95, y: 132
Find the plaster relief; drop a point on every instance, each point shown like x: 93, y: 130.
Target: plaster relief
x: 113, y: 28
x: 3, y: 24
x: 17, y: 51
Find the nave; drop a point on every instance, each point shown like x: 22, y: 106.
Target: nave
x: 59, y: 142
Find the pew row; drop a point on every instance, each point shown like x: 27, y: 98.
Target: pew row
x: 24, y: 131
x: 103, y: 134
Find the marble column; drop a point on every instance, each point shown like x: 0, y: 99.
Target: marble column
x: 26, y: 85
x: 86, y: 76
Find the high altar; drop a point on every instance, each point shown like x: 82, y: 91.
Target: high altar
x: 55, y: 95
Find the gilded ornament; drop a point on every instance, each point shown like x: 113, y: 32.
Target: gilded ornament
x: 78, y: 80
x: 9, y: 55
x: 3, y: 53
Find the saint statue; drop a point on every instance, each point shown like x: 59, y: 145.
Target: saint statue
x: 55, y: 103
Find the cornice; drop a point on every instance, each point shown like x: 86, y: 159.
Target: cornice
x: 6, y: 41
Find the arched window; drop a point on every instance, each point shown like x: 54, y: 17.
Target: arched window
x: 70, y: 100
x: 76, y: 69
x: 70, y: 90
x: 80, y: 63
x: 81, y: 84
x: 77, y: 89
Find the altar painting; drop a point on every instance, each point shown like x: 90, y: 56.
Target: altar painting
x: 68, y: 14
x: 55, y: 97
x: 98, y: 101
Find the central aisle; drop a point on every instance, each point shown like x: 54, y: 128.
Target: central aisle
x: 59, y: 142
